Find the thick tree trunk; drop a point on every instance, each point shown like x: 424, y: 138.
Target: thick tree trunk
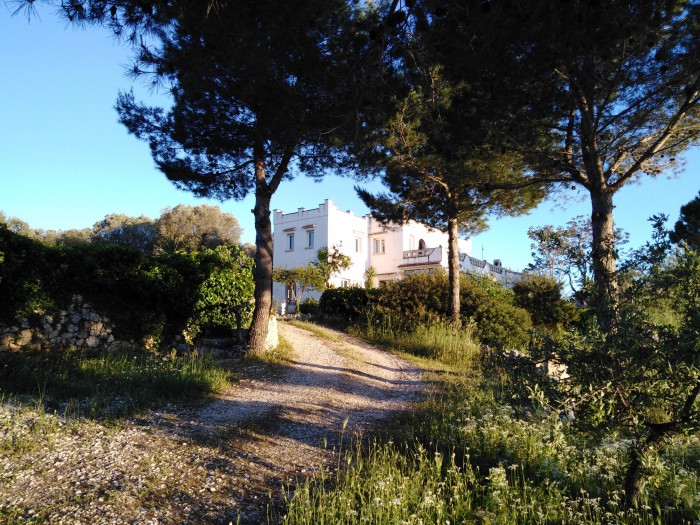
x: 263, y: 261
x: 453, y: 271
x: 604, y: 259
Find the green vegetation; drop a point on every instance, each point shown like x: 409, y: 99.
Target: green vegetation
x: 25, y: 427
x: 178, y: 230
x: 145, y: 297
x: 499, y: 442
x: 473, y: 458
x: 488, y: 310
x: 434, y: 340
x: 107, y: 386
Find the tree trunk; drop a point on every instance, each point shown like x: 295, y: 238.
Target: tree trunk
x: 634, y: 475
x: 604, y: 259
x: 263, y: 261
x: 453, y: 271
x: 633, y: 478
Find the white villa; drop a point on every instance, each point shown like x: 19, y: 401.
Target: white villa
x: 393, y: 251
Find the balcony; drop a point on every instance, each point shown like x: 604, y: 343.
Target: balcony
x: 423, y: 256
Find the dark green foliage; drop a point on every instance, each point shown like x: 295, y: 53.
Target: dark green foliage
x: 623, y: 80
x: 499, y: 322
x: 687, y: 228
x: 309, y: 306
x: 413, y: 300
x: 347, y: 304
x: 419, y: 299
x: 643, y: 380
x: 22, y: 269
x: 143, y: 296
x: 261, y: 92
x: 541, y: 297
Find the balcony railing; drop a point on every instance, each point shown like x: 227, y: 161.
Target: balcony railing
x: 425, y: 256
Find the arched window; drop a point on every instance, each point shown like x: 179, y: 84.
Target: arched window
x: 421, y: 244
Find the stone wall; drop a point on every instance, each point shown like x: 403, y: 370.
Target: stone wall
x: 82, y: 327
x: 79, y: 327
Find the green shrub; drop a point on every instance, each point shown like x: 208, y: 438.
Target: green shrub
x: 541, y: 297
x: 420, y: 299
x: 143, y: 296
x: 412, y: 300
x: 229, y: 284
x: 309, y: 306
x: 499, y: 322
x: 347, y: 304
x: 27, y: 277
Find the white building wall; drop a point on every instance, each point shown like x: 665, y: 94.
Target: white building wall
x: 331, y: 227
x: 348, y: 232
x: 355, y: 236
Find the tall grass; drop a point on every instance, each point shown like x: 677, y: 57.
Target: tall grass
x: 472, y: 458
x: 435, y: 339
x: 107, y: 385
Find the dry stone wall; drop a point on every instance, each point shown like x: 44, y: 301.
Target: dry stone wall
x: 80, y: 326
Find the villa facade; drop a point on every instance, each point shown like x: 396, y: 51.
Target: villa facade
x: 393, y: 251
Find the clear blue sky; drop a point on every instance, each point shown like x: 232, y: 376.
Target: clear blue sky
x: 65, y: 161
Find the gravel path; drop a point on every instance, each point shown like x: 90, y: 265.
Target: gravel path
x: 220, y: 461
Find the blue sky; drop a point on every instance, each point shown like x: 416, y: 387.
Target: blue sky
x: 65, y: 161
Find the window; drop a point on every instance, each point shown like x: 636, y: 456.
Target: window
x: 345, y: 283
x: 379, y: 246
x: 358, y: 245
x: 310, y: 239
x: 290, y: 242
x: 421, y: 244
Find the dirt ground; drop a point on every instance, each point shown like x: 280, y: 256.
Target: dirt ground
x: 220, y: 461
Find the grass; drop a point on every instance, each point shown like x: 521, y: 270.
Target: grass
x: 469, y: 456
x: 316, y: 330
x: 106, y: 386
x: 472, y: 461
x: 24, y: 428
x: 275, y: 359
x: 438, y: 340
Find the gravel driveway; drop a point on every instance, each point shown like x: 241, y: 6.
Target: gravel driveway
x: 220, y: 461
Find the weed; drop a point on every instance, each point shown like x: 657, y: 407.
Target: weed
x: 437, y: 340
x: 107, y: 386
x: 474, y: 458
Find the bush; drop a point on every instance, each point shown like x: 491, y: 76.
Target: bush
x: 414, y: 300
x: 229, y: 284
x: 347, y: 304
x: 309, y: 306
x: 541, y: 297
x: 420, y: 299
x: 143, y: 296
